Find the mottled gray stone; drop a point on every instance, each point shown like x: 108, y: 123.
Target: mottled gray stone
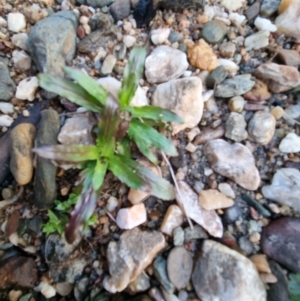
x: 7, y: 86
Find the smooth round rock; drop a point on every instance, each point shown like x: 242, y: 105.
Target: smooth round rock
x: 214, y: 31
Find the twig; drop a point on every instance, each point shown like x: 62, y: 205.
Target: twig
x: 5, y: 203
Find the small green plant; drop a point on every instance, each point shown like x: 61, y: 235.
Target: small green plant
x: 294, y: 286
x: 120, y: 125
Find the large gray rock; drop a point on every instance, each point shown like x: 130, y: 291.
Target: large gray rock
x: 45, y: 173
x: 223, y: 274
x: 52, y: 41
x: 7, y: 86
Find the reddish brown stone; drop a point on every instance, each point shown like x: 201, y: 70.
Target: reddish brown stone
x: 18, y: 272
x: 258, y: 93
x: 281, y: 242
x: 80, y: 32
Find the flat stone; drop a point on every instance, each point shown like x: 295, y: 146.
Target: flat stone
x: 183, y: 97
x: 288, y: 57
x: 120, y: 9
x: 209, y: 134
x: 258, y: 93
x: 280, y: 242
x: 253, y: 10
x: 234, y: 161
x: 178, y: 237
x: 238, y: 85
x: 7, y: 85
x: 217, y: 76
x: 6, y: 108
x: 27, y: 88
x: 180, y: 265
x: 16, y: 22
x: 22, y: 60
x: 226, y: 189
x: 197, y: 232
x: 262, y: 127
x: 45, y: 171
x: 261, y: 263
x: 172, y: 219
x: 214, y: 31
x: 236, y: 127
x: 19, y: 40
x: 164, y: 64
x: 290, y: 143
x: 24, y: 276
x: 208, y: 219
x: 232, y: 5
x: 257, y: 40
x: 126, y: 262
x: 202, y: 56
x: 285, y: 188
x: 160, y: 35
x: 235, y: 277
x: 227, y: 49
x: 212, y: 199
x: 279, y: 78
x: 108, y: 64
x: 269, y: 7
x: 21, y: 164
x: 52, y: 41
x: 264, y: 24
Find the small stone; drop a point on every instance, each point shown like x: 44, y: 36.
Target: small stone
x: 232, y: 214
x: 14, y: 295
x: 179, y: 265
x: 196, y: 233
x: 120, y: 9
x: 99, y: 3
x: 238, y: 18
x: 140, y: 284
x: 209, y: 134
x: 242, y: 281
x: 253, y: 11
x: 214, y: 31
x: 268, y: 278
x: 227, y: 50
x: 264, y: 24
x: 183, y: 97
x: 258, y: 93
x: 277, y: 112
x: 257, y: 40
x: 3, y: 22
x: 6, y: 108
x: 280, y: 242
x: 246, y: 245
x: 193, y: 133
x: 236, y: 104
x: 21, y: 165
x: 108, y: 64
x: 19, y: 40
x: 22, y: 60
x: 229, y: 66
x: 290, y: 143
x: 7, y: 85
x: 27, y: 88
x: 226, y: 189
x: 234, y: 161
x: 212, y: 199
x: 172, y: 219
x: 112, y: 204
x: 178, y: 237
x: 160, y: 35
x: 128, y: 218
x: 217, y: 76
x: 288, y: 57
x: 165, y: 63
x: 47, y: 290
x: 279, y: 78
x: 285, y: 188
x: 232, y: 5
x: 16, y: 22
x: 261, y: 263
x: 34, y: 13
x: 202, y: 56
x: 129, y: 41
x: 64, y: 288
x: 6, y: 120
x: 126, y: 262
x: 236, y: 127
x: 190, y: 147
x: 234, y: 86
x: 269, y: 7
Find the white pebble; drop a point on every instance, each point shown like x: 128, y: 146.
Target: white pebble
x: 27, y: 88
x: 160, y: 35
x: 6, y: 120
x: 129, y: 41
x: 16, y: 22
x: 128, y: 218
x: 47, y: 290
x: 227, y: 190
x: 83, y: 20
x: 257, y: 40
x: 290, y: 144
x: 229, y: 66
x: 6, y: 108
x: 191, y: 147
x: 187, y: 73
x: 264, y: 24
x: 112, y: 204
x: 237, y: 18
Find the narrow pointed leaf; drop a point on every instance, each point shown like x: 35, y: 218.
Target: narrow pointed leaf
x: 123, y: 148
x: 154, y: 113
x: 146, y: 151
x: 139, y: 131
x: 118, y: 165
x: 88, y: 84
x: 68, y: 153
x: 99, y: 174
x: 69, y: 90
x: 132, y: 74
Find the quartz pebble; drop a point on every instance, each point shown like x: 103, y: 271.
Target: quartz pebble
x: 47, y: 290
x: 16, y: 22
x: 172, y: 219
x: 290, y: 143
x: 264, y: 24
x: 227, y: 190
x: 6, y: 120
x: 27, y: 88
x: 160, y: 35
x: 112, y: 204
x: 6, y: 108
x: 257, y: 40
x: 229, y: 66
x: 232, y: 5
x: 129, y: 41
x: 108, y: 64
x: 212, y: 199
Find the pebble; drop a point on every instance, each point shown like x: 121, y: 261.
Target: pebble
x: 229, y: 66
x: 120, y: 9
x: 290, y: 143
x: 208, y: 219
x: 99, y: 3
x: 112, y: 204
x: 21, y: 164
x: 258, y: 93
x: 279, y: 78
x: 235, y: 17
x: 126, y: 261
x: 27, y: 88
x: 19, y: 40
x: 261, y: 263
x: 231, y: 87
x: 214, y: 31
x: 265, y: 24
x: 129, y: 41
x: 233, y: 5
x: 160, y: 35
x: 165, y: 63
x: 178, y: 237
x: 179, y: 267
x: 6, y: 120
x: 128, y: 218
x: 140, y: 284
x: 202, y: 56
x: 22, y: 60
x: 7, y: 85
x: 208, y: 134
x: 234, y: 161
x: 14, y: 295
x: 3, y: 22
x: 236, y: 104
x: 6, y: 108
x: 212, y: 199
x: 246, y: 245
x: 277, y: 112
x: 285, y: 188
x: 47, y: 290
x: 108, y: 64
x: 217, y: 76
x: 288, y: 57
x: 242, y: 278
x: 236, y: 127
x: 280, y: 242
x: 16, y: 22
x: 261, y: 127
x: 227, y: 49
x: 183, y: 97
x: 172, y: 219
x: 197, y: 232
x: 269, y: 7
x: 226, y: 189
x: 64, y: 288
x: 253, y: 11
x: 34, y: 13
x: 257, y: 40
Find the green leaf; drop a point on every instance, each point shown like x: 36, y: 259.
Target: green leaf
x: 88, y: 84
x: 132, y: 74
x: 99, y: 174
x: 68, y: 153
x: 123, y: 148
x: 139, y: 131
x: 154, y: 113
x: 144, y: 148
x: 118, y: 165
x: 52, y: 216
x: 294, y: 286
x: 69, y: 90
